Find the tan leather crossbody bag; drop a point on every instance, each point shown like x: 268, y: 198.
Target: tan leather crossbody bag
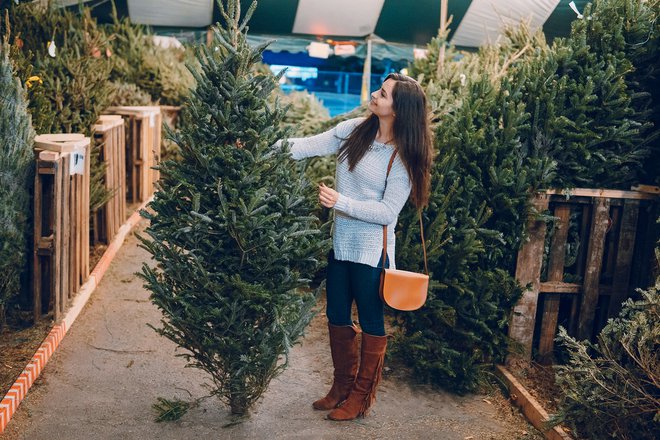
x: 401, y: 289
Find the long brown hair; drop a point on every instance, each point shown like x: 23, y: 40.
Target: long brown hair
x: 412, y: 136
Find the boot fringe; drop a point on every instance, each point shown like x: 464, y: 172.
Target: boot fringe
x: 370, y: 398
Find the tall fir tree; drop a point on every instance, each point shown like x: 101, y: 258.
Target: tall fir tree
x: 630, y: 30
x: 16, y: 180
x: 590, y: 95
x: 138, y: 60
x: 474, y: 225
x: 479, y: 204
x: 231, y: 230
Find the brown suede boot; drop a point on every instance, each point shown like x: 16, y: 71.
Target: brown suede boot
x: 363, y: 394
x: 345, y: 352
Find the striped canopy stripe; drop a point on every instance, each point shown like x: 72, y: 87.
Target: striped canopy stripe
x: 410, y: 22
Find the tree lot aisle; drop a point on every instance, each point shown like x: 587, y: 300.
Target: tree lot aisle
x: 112, y: 367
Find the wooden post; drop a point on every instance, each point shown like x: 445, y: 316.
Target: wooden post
x: 57, y: 262
x: 612, y: 239
x: 551, y: 301
x: 593, y: 267
x: 85, y: 181
x: 63, y: 236
x: 580, y: 262
x: 366, y: 75
x: 146, y: 157
x: 76, y: 222
x: 47, y: 233
x: 130, y: 163
x: 109, y: 147
x: 528, y: 271
x: 209, y: 36
x: 158, y: 141
x: 36, y: 258
x: 624, y: 254
x: 109, y: 136
x: 122, y: 173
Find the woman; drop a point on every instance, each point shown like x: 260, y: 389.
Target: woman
x: 367, y: 198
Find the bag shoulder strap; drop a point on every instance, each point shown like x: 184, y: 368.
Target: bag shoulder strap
x: 421, y: 225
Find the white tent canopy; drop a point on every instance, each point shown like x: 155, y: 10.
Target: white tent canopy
x: 485, y: 19
x: 184, y: 13
x: 474, y: 23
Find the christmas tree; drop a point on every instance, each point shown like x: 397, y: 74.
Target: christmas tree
x: 231, y: 231
x: 16, y: 180
x: 306, y: 113
x: 160, y: 72
x: 126, y: 94
x: 447, y: 87
x: 610, y: 389
x: 478, y: 208
x: 590, y: 96
x: 473, y: 226
x: 511, y: 119
x: 68, y: 52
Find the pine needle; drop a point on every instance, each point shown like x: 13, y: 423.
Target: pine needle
x: 170, y: 410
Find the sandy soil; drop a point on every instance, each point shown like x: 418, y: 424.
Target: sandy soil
x: 17, y: 346
x: 111, y: 367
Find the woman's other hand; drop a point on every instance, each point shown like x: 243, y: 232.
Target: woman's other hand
x: 327, y: 196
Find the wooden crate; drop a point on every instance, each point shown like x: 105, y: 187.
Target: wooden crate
x: 613, y: 229
x: 143, y: 141
x: 61, y: 221
x: 110, y: 137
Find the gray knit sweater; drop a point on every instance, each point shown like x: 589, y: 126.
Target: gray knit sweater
x: 366, y: 202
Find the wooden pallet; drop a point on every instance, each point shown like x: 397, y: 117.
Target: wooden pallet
x: 612, y: 241
x: 143, y: 142
x: 61, y: 221
x: 110, y: 137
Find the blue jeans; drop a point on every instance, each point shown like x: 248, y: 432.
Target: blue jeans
x: 348, y: 281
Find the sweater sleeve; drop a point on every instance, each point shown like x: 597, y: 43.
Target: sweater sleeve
x: 385, y: 211
x: 322, y: 144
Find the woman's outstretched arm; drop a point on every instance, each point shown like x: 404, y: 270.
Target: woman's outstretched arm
x: 321, y: 144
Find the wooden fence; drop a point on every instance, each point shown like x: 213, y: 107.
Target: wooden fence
x: 143, y: 140
x: 608, y: 238
x: 110, y: 136
x: 61, y: 221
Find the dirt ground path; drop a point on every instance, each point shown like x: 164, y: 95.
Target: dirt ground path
x: 111, y: 367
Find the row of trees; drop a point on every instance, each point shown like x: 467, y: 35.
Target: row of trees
x: 70, y: 69
x: 511, y: 119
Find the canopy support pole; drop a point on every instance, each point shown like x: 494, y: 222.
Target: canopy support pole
x: 366, y: 74
x: 443, y: 31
